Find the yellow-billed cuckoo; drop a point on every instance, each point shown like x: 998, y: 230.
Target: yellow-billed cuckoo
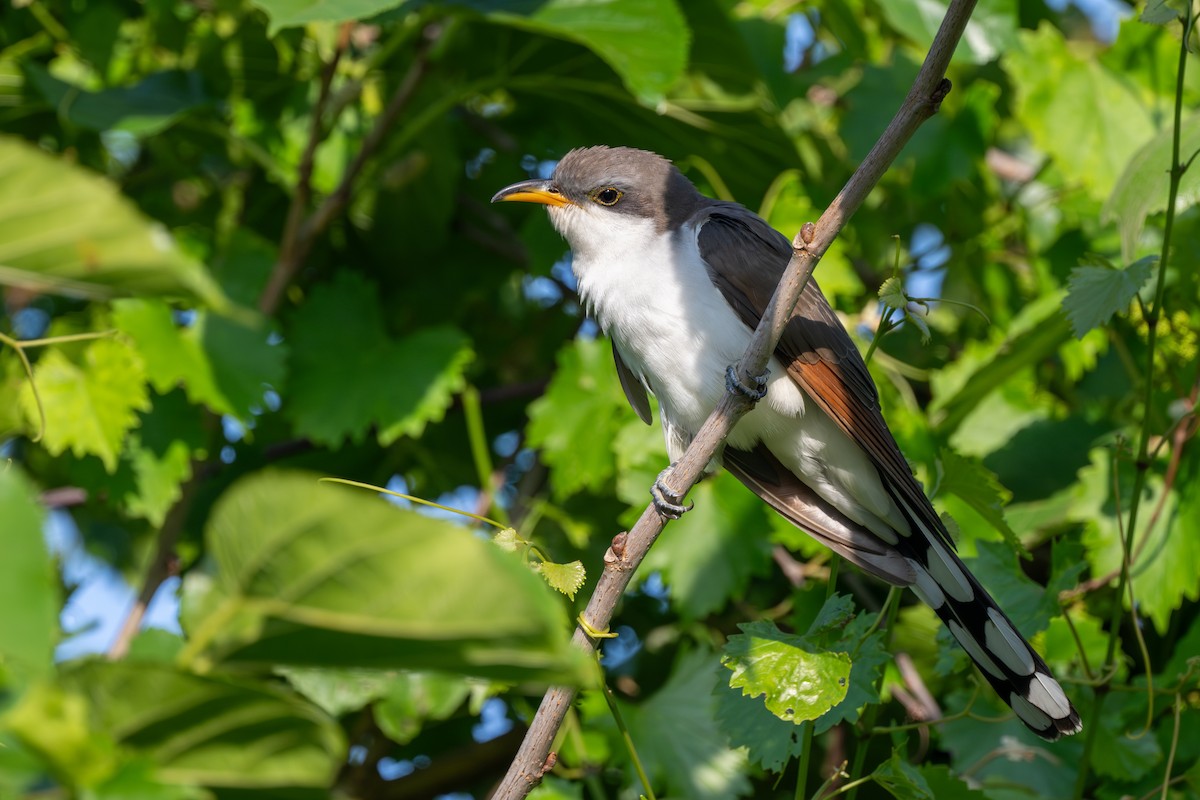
x: 679, y: 282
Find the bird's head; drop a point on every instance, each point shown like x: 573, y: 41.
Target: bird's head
x: 597, y: 194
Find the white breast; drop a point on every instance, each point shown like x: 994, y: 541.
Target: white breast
x: 651, y: 293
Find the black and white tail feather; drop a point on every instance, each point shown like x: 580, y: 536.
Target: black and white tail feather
x: 924, y: 562
x: 1006, y: 659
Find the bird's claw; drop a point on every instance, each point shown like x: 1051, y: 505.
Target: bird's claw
x: 667, y: 502
x: 735, y: 386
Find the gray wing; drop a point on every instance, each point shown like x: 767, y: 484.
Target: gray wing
x: 635, y: 392
x: 746, y: 257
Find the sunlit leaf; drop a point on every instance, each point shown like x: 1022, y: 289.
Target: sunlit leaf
x: 565, y: 578
x: 66, y: 230
x: 576, y: 420
x: 313, y: 575
x: 979, y: 488
x: 797, y: 682
x: 991, y: 31
x: 91, y: 403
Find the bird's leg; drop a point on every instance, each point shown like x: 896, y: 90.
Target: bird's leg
x: 667, y: 501
x: 735, y: 386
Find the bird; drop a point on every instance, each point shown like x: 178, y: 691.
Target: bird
x: 678, y: 282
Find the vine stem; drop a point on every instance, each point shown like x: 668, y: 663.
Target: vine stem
x: 627, y: 550
x: 1143, y: 451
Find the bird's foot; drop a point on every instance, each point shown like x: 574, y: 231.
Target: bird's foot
x: 735, y: 386
x: 668, y: 502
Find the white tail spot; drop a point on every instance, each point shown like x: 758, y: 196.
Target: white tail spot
x: 1007, y: 644
x: 973, y: 649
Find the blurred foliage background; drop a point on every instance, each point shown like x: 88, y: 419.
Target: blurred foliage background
x: 247, y: 244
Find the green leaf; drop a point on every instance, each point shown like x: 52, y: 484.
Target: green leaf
x: 770, y: 742
x: 798, y: 683
x: 901, y: 779
x: 577, y: 419
x: 64, y: 229
x: 1038, y: 330
x: 347, y: 375
x: 1143, y: 188
x: 1163, y: 12
x: 991, y: 31
x: 338, y: 691
x: 414, y: 698
x: 312, y: 575
x: 978, y: 487
x: 92, y: 403
x: 565, y: 578
x: 675, y: 732
x: 891, y: 293
x: 945, y: 785
x: 1164, y: 569
x: 142, y: 109
x: 56, y: 723
x: 709, y: 556
x: 1089, y: 119
x: 211, y: 730
x: 1098, y: 290
x: 644, y: 41
x: 1122, y: 751
x: 221, y: 363
x: 29, y: 582
x: 868, y: 655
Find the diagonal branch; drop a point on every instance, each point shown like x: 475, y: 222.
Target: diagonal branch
x: 301, y: 232
x: 628, y: 550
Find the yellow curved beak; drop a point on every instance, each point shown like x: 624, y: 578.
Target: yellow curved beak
x: 534, y: 191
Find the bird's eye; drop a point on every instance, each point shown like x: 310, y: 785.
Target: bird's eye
x: 607, y: 196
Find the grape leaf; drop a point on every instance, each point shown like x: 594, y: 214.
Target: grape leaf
x: 92, y: 403
x: 675, y: 731
x: 901, y: 779
x: 978, y: 487
x: 565, y: 578
x: 798, y: 682
x: 1096, y: 291
x: 221, y: 363
x: 1059, y: 83
x: 347, y: 374
x: 770, y: 741
x: 577, y: 419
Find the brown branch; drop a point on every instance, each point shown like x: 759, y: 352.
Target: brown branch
x: 299, y: 236
x: 162, y: 566
x: 628, y: 550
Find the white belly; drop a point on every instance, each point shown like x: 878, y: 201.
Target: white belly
x: 674, y: 329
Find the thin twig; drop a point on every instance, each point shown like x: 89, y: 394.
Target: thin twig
x: 628, y: 550
x: 299, y: 237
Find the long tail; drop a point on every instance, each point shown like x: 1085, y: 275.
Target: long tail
x: 1006, y: 659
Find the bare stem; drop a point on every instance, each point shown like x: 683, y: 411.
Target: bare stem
x: 628, y: 550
